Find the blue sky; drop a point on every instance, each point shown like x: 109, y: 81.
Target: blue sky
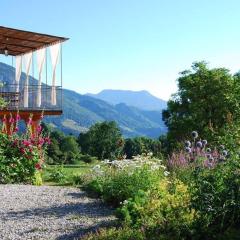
x: 133, y: 44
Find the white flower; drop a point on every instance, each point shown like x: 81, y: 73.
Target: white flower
x: 166, y: 173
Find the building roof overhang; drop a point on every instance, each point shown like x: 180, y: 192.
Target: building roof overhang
x: 18, y: 42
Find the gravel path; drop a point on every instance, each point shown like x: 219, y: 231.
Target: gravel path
x: 46, y: 212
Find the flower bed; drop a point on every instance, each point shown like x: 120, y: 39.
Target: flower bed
x: 21, y: 155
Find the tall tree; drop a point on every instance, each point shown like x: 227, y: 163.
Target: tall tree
x: 103, y: 140
x: 207, y: 100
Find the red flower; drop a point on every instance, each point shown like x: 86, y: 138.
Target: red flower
x: 38, y: 166
x: 22, y: 150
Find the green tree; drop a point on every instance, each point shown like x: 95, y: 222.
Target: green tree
x: 103, y: 140
x: 70, y: 149
x: 139, y: 145
x: 207, y: 101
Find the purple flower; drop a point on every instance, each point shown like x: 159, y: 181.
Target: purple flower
x: 188, y: 149
x: 225, y: 153
x: 194, y: 134
x: 187, y: 144
x: 208, y: 150
x: 199, y: 144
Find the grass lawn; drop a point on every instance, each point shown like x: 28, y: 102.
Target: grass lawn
x: 62, y: 175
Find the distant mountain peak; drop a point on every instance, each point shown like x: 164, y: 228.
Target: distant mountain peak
x: 141, y: 99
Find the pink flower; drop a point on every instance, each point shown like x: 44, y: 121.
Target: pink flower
x: 26, y: 143
x: 11, y: 120
x: 47, y: 140
x: 39, y: 128
x: 40, y: 141
x: 17, y: 117
x: 29, y: 121
x: 16, y: 129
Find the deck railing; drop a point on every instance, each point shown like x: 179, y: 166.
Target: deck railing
x: 14, y: 99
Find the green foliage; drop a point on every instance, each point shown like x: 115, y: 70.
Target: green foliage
x: 57, y: 174
x: 63, y: 149
x: 215, y: 195
x: 87, y: 158
x: 207, y: 100
x: 116, y: 234
x: 139, y: 145
x: 21, y: 155
x: 103, y: 140
x: 161, y: 210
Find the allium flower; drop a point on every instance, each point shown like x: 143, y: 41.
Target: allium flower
x: 199, y: 144
x: 188, y: 149
x: 222, y: 147
x: 187, y: 144
x: 204, y: 142
x: 211, y: 159
x: 225, y: 153
x: 194, y: 134
x: 208, y: 150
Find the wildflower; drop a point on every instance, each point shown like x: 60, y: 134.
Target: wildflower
x: 204, y: 142
x: 40, y: 141
x: 208, y: 150
x: 199, y: 144
x: 26, y: 143
x: 39, y: 129
x: 211, y: 159
x: 194, y: 134
x: 188, y: 149
x: 29, y: 122
x: 17, y: 117
x: 225, y: 153
x: 22, y: 150
x: 47, y: 140
x: 11, y: 120
x: 15, y: 129
x: 187, y: 144
x: 166, y: 173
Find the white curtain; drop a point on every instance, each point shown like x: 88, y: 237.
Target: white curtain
x: 27, y: 62
x: 54, y: 51
x: 18, y: 71
x: 41, y: 56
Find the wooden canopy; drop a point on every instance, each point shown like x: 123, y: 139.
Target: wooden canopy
x: 18, y: 42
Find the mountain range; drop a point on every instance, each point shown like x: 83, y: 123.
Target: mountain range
x: 140, y: 99
x: 137, y: 113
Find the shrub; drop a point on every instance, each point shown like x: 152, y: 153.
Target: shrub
x: 21, y: 155
x: 87, y: 158
x: 116, y: 234
x: 162, y: 211
x: 215, y: 195
x: 122, y: 179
